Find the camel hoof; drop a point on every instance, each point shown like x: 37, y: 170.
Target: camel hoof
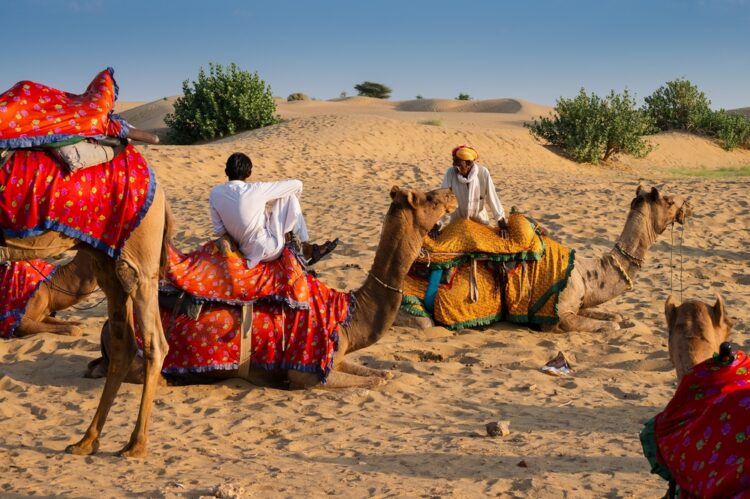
x: 133, y: 450
x: 423, y: 322
x: 83, y: 449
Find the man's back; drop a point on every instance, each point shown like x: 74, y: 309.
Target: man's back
x: 238, y: 208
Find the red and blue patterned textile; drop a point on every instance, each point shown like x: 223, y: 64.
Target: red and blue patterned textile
x: 210, y: 276
x: 703, y: 435
x: 18, y: 282
x: 282, y: 337
x: 100, y: 205
x: 32, y: 114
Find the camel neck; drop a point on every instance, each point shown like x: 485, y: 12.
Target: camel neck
x: 377, y: 305
x: 72, y: 283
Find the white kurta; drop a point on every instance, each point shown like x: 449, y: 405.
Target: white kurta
x: 487, y: 197
x: 238, y: 208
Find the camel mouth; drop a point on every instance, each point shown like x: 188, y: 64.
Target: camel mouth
x: 683, y: 213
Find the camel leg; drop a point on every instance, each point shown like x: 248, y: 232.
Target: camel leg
x: 155, y: 349
x: 573, y: 322
x: 123, y: 348
x: 599, y: 315
x: 28, y: 327
x: 61, y: 322
x: 353, y: 368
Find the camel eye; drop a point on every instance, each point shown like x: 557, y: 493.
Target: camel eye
x: 430, y: 198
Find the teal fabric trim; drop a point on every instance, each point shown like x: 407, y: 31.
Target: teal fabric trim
x: 433, y: 285
x: 651, y: 451
x: 408, y: 305
x: 480, y: 321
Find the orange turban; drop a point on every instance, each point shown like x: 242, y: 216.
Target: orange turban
x: 467, y: 153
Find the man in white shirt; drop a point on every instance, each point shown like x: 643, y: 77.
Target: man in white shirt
x: 472, y: 185
x: 238, y: 209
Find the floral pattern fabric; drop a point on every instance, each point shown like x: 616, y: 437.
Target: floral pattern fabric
x: 282, y: 337
x: 32, y: 114
x: 19, y: 281
x: 210, y: 276
x: 100, y: 205
x: 703, y: 435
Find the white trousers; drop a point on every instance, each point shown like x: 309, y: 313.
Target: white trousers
x: 285, y: 216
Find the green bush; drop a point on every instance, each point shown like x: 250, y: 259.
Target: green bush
x: 463, y: 97
x: 220, y: 103
x: 730, y: 129
x: 297, y: 96
x: 678, y: 105
x: 591, y: 129
x: 371, y: 89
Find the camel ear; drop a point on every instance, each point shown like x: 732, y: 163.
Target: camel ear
x: 639, y: 189
x: 394, y: 190
x: 655, y: 194
x: 719, y: 313
x: 411, y: 198
x: 670, y: 311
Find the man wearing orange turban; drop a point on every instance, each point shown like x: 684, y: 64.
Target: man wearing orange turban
x: 472, y: 185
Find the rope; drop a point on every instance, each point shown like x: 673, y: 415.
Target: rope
x: 48, y: 282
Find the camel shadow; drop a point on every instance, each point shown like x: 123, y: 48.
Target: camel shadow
x: 453, y: 466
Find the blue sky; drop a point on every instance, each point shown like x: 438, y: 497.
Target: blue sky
x: 533, y: 50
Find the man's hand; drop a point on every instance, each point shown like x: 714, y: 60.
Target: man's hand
x: 502, y: 225
x: 434, y: 231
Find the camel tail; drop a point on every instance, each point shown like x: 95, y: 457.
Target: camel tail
x: 166, y: 240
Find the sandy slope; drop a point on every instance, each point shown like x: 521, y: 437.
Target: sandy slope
x: 422, y: 434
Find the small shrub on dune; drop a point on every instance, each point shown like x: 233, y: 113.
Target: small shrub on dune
x: 678, y: 105
x: 372, y: 89
x: 220, y: 103
x: 731, y: 130
x: 433, y: 122
x: 593, y: 129
x: 297, y: 96
x: 463, y: 97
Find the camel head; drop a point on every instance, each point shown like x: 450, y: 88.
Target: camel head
x: 660, y: 210
x: 696, y: 331
x: 426, y: 208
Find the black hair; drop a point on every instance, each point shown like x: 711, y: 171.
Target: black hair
x: 239, y: 166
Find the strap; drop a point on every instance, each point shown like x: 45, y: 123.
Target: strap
x: 246, y: 340
x: 473, y: 287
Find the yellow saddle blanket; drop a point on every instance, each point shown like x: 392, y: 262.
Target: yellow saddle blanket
x: 518, y: 279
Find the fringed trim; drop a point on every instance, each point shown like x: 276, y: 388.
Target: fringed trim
x: 230, y: 366
x: 481, y: 321
x: 43, y: 140
x: 651, y: 449
x: 293, y: 304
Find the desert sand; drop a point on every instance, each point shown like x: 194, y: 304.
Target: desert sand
x: 423, y: 433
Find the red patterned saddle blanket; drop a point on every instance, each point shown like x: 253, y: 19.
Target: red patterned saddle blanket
x: 295, y: 317
x: 703, y: 435
x: 19, y: 281
x: 100, y: 205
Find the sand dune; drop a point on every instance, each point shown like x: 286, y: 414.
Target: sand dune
x: 422, y: 434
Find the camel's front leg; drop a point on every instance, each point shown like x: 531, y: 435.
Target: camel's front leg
x: 353, y: 368
x: 123, y: 350
x: 599, y: 315
x: 28, y: 327
x: 61, y: 322
x: 155, y: 349
x: 573, y: 322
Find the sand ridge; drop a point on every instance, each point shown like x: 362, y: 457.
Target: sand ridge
x: 422, y: 434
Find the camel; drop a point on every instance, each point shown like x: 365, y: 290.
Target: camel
x: 130, y: 284
x: 410, y: 216
x: 696, y: 332
x: 69, y: 285
x: 707, y: 409
x: 596, y: 281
